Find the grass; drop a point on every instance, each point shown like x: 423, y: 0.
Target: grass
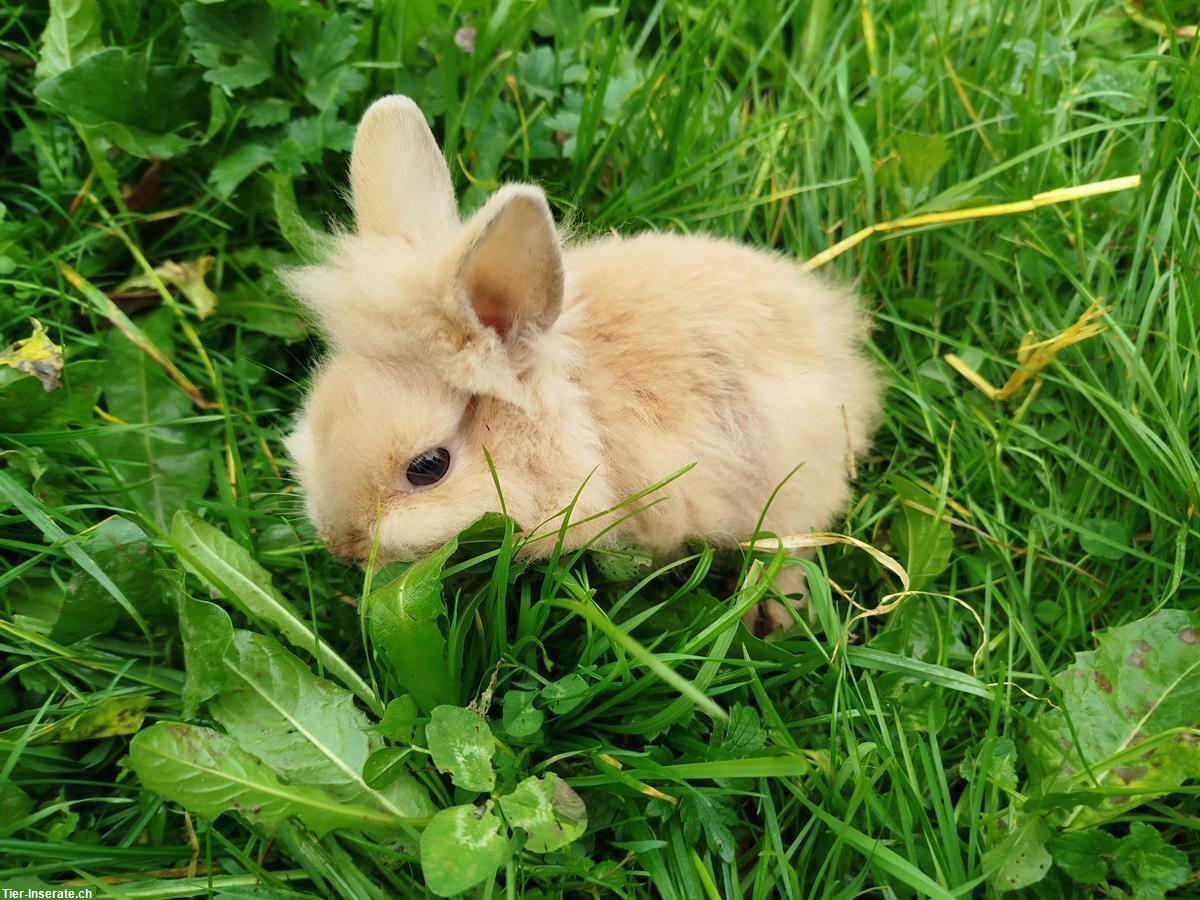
x: 892, y: 753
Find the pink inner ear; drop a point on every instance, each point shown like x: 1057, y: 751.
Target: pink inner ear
x: 492, y: 309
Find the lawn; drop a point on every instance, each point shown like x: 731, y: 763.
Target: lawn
x: 998, y: 688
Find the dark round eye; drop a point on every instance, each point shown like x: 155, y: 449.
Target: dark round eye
x: 429, y: 468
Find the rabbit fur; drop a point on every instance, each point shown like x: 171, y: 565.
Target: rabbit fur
x: 609, y: 363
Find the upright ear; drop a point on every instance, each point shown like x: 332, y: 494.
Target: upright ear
x: 398, y: 176
x: 511, y: 270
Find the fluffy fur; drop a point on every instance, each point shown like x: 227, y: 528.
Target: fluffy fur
x: 622, y: 359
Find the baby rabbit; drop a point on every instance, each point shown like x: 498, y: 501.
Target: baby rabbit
x: 614, y: 362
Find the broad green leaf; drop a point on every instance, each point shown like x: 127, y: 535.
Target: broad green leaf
x: 305, y: 728
x: 922, y: 157
x: 923, y: 543
x: 136, y: 105
x: 1133, y: 703
x: 236, y: 167
x: 566, y: 694
x: 385, y: 765
x: 72, y: 34
x: 406, y: 633
x: 1021, y: 859
x: 548, y: 810
x: 621, y: 564
x: 162, y: 464
x: 209, y: 774
x: 25, y: 405
x: 1083, y: 855
x: 29, y: 507
x: 123, y: 552
x: 15, y: 804
x: 235, y: 43
x: 320, y: 51
x: 398, y: 719
x: 1104, y: 538
x: 520, y: 717
x: 714, y: 814
x: 460, y: 847
x: 1148, y: 864
x: 462, y: 744
x: 206, y: 633
x: 229, y: 567
x: 744, y: 733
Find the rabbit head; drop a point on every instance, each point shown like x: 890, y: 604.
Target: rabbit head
x: 446, y: 338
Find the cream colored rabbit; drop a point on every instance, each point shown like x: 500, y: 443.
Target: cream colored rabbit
x: 622, y: 359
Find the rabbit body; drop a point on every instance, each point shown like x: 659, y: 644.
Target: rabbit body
x: 609, y: 364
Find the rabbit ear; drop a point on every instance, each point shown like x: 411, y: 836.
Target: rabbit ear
x: 511, y: 271
x: 398, y: 176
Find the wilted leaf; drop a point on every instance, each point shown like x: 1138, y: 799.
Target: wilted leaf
x: 460, y: 847
x: 136, y: 105
x: 206, y: 772
x: 1139, y: 688
x: 305, y: 728
x: 109, y: 717
x: 462, y: 744
x: 36, y: 355
x: 403, y: 616
x: 234, y: 42
x: 187, y: 276
x: 230, y: 568
x: 72, y: 34
x: 547, y: 809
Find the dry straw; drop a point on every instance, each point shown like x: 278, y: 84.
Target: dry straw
x: 1046, y: 198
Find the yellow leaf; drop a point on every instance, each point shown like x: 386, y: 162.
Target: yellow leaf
x: 38, y: 356
x: 187, y: 276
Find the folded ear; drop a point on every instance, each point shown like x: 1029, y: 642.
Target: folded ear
x: 511, y: 269
x: 398, y: 176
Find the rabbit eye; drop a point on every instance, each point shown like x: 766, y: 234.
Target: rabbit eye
x: 429, y: 468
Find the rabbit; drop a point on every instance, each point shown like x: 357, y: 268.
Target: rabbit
x: 607, y: 364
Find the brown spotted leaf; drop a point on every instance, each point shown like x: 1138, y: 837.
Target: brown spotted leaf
x: 1129, y: 726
